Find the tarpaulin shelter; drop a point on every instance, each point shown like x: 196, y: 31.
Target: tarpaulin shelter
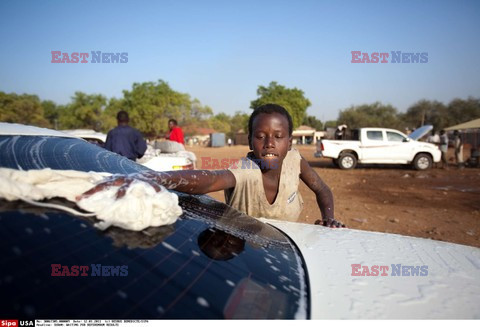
x: 472, y: 124
x: 470, y: 131
x: 470, y: 135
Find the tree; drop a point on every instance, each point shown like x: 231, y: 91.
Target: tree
x: 331, y: 124
x: 425, y: 112
x: 220, y: 123
x: 370, y: 115
x: 291, y: 99
x: 150, y: 106
x: 109, y: 115
x: 461, y: 111
x: 198, y: 113
x: 51, y: 112
x: 85, y: 111
x: 239, y: 121
x: 312, y: 121
x: 22, y: 109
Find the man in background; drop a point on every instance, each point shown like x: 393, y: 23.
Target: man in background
x: 176, y: 133
x: 340, y: 132
x: 444, y: 148
x: 126, y: 140
x: 458, y: 142
x: 434, y: 137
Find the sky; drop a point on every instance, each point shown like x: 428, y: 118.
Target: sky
x: 220, y: 52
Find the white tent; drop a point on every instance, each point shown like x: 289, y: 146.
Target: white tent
x: 472, y: 124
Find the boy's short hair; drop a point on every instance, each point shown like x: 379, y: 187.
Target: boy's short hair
x: 173, y: 121
x: 122, y: 116
x: 270, y: 108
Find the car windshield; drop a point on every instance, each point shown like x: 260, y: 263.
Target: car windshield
x: 213, y: 262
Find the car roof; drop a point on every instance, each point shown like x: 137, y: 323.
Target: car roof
x: 86, y: 134
x: 19, y: 129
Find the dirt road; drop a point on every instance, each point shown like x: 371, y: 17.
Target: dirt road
x: 437, y: 204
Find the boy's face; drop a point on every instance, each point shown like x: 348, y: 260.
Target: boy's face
x: 269, y: 139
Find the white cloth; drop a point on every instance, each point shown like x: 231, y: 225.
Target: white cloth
x: 141, y: 207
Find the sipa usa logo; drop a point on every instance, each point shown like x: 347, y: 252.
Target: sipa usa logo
x: 95, y: 57
x: 395, y: 57
x: 16, y: 323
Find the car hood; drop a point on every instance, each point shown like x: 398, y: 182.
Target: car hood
x: 450, y: 290
x: 420, y: 132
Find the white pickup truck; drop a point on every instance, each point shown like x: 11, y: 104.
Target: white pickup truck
x: 381, y: 146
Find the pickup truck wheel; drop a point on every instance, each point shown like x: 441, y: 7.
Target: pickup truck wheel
x: 422, y: 161
x: 347, y: 161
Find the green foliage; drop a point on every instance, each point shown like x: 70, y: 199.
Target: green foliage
x: 370, y: 115
x: 331, y: 124
x: 223, y: 123
x: 439, y: 115
x: 220, y: 123
x: 51, y: 112
x: 85, y: 111
x: 109, y: 115
x: 22, y: 109
x: 461, y: 111
x: 198, y: 112
x: 291, y: 99
x: 237, y: 122
x: 150, y: 106
x: 312, y: 121
x: 426, y: 112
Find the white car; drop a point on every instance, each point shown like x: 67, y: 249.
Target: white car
x: 153, y: 157
x: 213, y: 262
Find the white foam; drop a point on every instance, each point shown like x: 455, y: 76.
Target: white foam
x: 141, y: 207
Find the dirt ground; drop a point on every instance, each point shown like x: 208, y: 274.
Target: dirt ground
x: 437, y: 204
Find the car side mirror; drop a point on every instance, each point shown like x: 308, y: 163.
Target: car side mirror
x: 406, y: 139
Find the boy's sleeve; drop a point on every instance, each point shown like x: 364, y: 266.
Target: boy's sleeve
x: 235, y: 169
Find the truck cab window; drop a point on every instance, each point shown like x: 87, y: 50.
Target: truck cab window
x: 375, y: 135
x: 395, y: 137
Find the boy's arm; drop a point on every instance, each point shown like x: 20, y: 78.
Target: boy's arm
x: 323, y: 193
x: 187, y: 181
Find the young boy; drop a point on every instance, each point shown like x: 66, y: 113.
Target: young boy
x: 264, y: 184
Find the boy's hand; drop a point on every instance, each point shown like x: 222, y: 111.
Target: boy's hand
x: 123, y: 182
x: 330, y: 222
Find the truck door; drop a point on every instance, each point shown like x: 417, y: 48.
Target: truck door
x: 400, y: 151
x: 374, y: 146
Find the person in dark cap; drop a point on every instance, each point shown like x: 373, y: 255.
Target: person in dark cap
x: 126, y: 140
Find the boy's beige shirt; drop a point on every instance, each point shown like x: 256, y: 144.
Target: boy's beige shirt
x: 248, y: 195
